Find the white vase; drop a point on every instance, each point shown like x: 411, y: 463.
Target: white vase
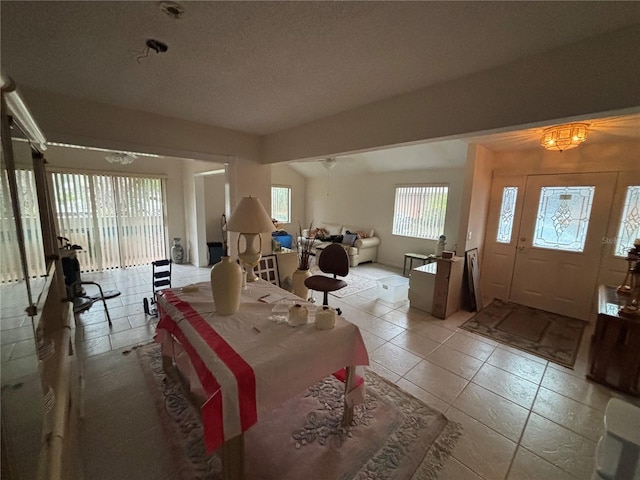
x: 299, y: 288
x: 226, y: 286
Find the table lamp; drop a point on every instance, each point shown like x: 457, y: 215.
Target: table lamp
x: 250, y: 219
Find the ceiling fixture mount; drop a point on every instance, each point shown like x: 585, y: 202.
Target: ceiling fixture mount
x: 172, y: 9
x: 329, y: 163
x: 121, y: 158
x: 564, y: 137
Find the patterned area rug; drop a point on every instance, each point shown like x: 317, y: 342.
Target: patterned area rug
x: 355, y: 283
x: 393, y: 436
x: 547, y: 335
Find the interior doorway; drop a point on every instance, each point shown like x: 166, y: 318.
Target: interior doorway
x: 543, y: 245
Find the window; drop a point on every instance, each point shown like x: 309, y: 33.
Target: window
x: 629, y: 228
x: 419, y: 211
x: 507, y: 212
x: 118, y: 220
x: 563, y: 218
x: 10, y: 266
x: 281, y: 203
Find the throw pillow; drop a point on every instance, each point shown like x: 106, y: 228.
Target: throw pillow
x: 349, y: 239
x: 362, y: 234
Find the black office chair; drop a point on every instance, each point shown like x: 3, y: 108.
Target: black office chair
x: 333, y: 260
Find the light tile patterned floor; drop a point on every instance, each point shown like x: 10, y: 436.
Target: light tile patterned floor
x: 523, y: 417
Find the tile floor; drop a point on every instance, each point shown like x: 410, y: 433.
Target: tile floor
x: 523, y: 417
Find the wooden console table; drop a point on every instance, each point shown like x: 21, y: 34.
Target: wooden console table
x: 614, y: 356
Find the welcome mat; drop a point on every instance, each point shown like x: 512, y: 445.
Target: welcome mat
x: 393, y: 436
x: 548, y: 335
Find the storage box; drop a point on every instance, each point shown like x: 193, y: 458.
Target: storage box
x: 393, y: 289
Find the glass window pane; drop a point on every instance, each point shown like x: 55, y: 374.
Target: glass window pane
x: 563, y: 218
x: 507, y: 212
x: 629, y: 228
x: 419, y: 211
x: 281, y: 203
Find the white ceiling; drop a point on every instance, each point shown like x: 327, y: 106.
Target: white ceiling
x: 262, y: 67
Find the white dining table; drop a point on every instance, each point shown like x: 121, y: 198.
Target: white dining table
x: 241, y: 366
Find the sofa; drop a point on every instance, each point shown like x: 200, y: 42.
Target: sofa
x: 361, y: 244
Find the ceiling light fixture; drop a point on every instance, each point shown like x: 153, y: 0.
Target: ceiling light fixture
x: 564, y: 137
x: 121, y: 158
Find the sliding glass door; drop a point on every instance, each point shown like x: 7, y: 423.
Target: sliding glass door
x: 117, y: 220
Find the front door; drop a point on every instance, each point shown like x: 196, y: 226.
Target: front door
x: 559, y: 241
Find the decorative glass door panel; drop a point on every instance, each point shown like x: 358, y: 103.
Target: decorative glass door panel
x: 563, y: 218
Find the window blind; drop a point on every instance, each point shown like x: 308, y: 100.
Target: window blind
x: 419, y: 211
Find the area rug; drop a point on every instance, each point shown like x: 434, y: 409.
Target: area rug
x: 393, y: 435
x: 553, y: 337
x: 355, y: 283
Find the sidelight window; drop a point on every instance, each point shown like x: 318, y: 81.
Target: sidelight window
x: 629, y: 228
x: 507, y: 213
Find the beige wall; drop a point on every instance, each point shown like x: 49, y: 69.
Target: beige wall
x: 79, y: 122
x: 366, y: 201
x: 583, y: 80
x: 475, y: 202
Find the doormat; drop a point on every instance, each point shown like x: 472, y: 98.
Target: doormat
x: 548, y: 335
x: 393, y: 436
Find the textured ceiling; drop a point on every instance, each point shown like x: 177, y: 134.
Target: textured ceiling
x: 262, y: 67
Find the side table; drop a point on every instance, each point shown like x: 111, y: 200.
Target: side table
x: 614, y: 356
x: 416, y: 256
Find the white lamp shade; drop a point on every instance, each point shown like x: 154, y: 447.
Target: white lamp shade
x: 250, y: 216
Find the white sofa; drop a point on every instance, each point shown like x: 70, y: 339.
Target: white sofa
x: 363, y: 249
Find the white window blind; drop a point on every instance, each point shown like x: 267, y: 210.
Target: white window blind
x: 419, y: 211
x: 10, y: 267
x: 281, y: 203
x: 119, y: 221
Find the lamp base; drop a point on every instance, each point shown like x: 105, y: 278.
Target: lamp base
x: 251, y: 274
x: 251, y: 255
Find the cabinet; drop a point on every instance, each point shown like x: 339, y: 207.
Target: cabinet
x: 436, y: 287
x: 422, y: 281
x: 614, y: 356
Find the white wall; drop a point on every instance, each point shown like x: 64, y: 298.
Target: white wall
x: 214, y: 205
x: 366, y: 201
x: 196, y: 213
x: 282, y: 174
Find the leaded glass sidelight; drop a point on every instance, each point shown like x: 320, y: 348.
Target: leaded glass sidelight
x: 563, y: 218
x: 507, y: 212
x: 629, y: 228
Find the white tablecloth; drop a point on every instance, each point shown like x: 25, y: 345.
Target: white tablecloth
x: 248, y: 363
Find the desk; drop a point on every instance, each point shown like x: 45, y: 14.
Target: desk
x: 416, y: 256
x: 245, y: 364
